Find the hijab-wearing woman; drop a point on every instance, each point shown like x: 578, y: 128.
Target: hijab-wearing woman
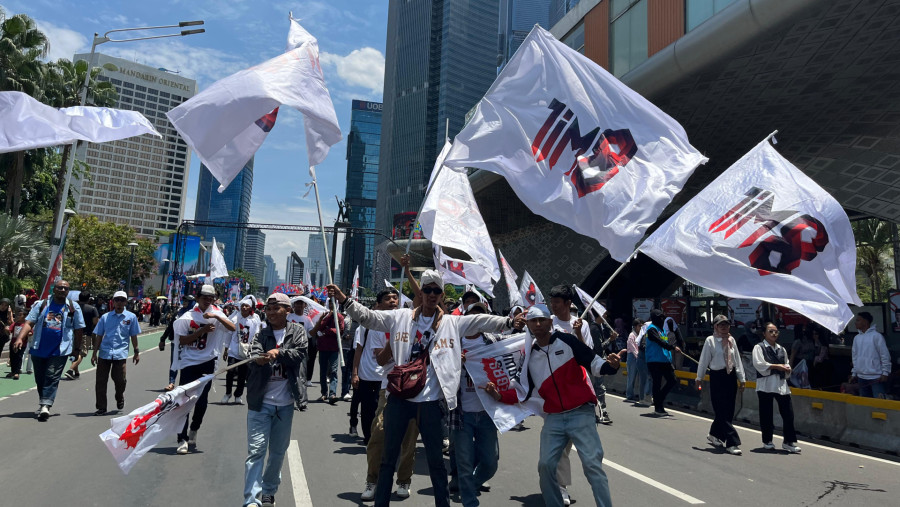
x: 726, y: 375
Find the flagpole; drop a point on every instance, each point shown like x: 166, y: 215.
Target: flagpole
x: 337, y: 327
x: 605, y: 285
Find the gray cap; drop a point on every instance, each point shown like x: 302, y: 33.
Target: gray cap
x: 208, y: 290
x: 718, y: 319
x: 538, y: 312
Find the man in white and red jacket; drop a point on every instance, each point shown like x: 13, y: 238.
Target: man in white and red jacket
x: 554, y: 381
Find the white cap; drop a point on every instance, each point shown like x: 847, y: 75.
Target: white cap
x: 208, y: 290
x: 538, y: 312
x: 431, y: 276
x: 120, y: 294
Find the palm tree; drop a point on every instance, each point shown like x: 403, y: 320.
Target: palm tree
x: 873, y: 245
x: 23, y: 248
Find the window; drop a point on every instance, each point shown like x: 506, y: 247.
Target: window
x: 575, y: 38
x: 698, y: 11
x: 628, y: 35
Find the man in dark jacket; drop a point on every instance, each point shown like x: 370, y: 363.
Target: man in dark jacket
x: 272, y: 391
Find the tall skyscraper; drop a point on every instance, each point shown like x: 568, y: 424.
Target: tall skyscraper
x: 440, y: 59
x: 558, y: 9
x: 294, y: 269
x: 517, y: 18
x: 232, y: 205
x: 315, y: 253
x: 253, y: 254
x: 140, y: 181
x: 363, y: 146
x: 270, y: 278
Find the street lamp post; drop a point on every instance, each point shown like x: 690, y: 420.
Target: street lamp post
x: 162, y: 280
x: 57, y: 226
x: 130, y: 268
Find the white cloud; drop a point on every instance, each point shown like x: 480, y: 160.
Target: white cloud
x: 64, y: 43
x: 206, y: 65
x: 362, y: 68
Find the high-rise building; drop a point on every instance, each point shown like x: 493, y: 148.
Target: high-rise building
x: 363, y: 147
x: 253, y: 254
x: 559, y: 8
x: 517, y: 18
x: 294, y: 269
x: 317, y: 265
x: 270, y: 277
x: 440, y: 59
x: 230, y: 206
x: 140, y: 181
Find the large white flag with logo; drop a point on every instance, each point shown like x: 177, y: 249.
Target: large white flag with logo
x: 226, y: 123
x: 764, y: 230
x: 578, y: 147
x: 450, y: 218
x: 531, y: 294
x: 132, y: 435
x: 499, y: 362
x: 26, y: 124
x: 460, y: 272
x: 515, y: 298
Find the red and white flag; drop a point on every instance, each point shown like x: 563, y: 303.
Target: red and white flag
x: 531, y: 294
x: 460, y: 272
x: 226, y: 123
x: 130, y: 437
x: 764, y: 230
x: 501, y: 363
x: 515, y: 298
x: 355, y: 292
x: 576, y: 145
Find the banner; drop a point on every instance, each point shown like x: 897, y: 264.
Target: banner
x: 577, y: 146
x: 131, y: 436
x: 515, y: 297
x: 744, y: 311
x: 531, y: 294
x: 641, y: 309
x: 675, y: 308
x: 764, y: 230
x: 500, y: 363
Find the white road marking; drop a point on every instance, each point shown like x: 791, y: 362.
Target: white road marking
x: 803, y: 443
x: 298, y: 476
x: 651, y: 482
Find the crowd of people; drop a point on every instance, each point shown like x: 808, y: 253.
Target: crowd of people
x: 401, y: 369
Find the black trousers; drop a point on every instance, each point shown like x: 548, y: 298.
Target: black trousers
x: 188, y: 375
x: 366, y: 396
x: 312, y: 352
x: 240, y: 373
x: 767, y: 416
x: 722, y: 392
x: 660, y: 372
x: 105, y: 367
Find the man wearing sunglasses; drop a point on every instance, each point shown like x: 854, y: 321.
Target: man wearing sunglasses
x: 426, y: 330
x: 58, y: 331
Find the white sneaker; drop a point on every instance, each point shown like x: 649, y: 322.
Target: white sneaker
x: 567, y: 500
x: 182, y: 448
x: 403, y: 491
x: 769, y: 446
x: 348, y: 397
x: 791, y: 447
x: 226, y: 399
x: 309, y: 383
x: 715, y: 441
x: 368, y: 494
x: 238, y: 400
x: 734, y: 450
x: 192, y: 437
x: 44, y: 413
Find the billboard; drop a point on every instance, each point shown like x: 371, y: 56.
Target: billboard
x: 189, y: 258
x: 163, y: 250
x: 675, y: 308
x: 403, y: 226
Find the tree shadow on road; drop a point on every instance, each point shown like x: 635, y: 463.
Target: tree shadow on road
x: 532, y: 500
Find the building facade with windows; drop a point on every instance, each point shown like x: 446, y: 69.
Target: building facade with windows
x: 141, y: 181
x: 254, y: 252
x: 230, y: 206
x: 517, y: 18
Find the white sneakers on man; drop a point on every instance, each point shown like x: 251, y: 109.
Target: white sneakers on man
x: 403, y: 490
x: 734, y: 450
x: 226, y: 399
x: 368, y: 494
x: 791, y: 447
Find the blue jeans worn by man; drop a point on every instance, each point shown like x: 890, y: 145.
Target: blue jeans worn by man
x: 475, y: 442
x: 47, y: 372
x: 579, y: 426
x: 268, y: 429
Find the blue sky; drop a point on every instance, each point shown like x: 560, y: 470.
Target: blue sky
x: 239, y: 34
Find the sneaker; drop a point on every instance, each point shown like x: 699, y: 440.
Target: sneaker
x: 485, y: 487
x: 348, y: 397
x: 70, y: 374
x: 769, y: 446
x: 309, y: 383
x: 604, y: 419
x: 453, y: 486
x: 29, y: 372
x: 597, y: 419
x: 100, y: 412
x: 403, y: 490
x: 182, y: 447
x: 734, y: 450
x: 661, y: 413
x: 791, y: 447
x: 368, y: 494
x: 567, y: 500
x: 192, y: 437
x: 226, y: 399
x: 353, y: 432
x: 120, y: 404
x: 44, y: 413
x: 238, y: 400
x: 268, y: 500
x: 715, y: 441
x: 77, y: 374
x: 445, y: 445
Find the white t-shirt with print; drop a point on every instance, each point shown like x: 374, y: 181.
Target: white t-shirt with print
x: 369, y: 369
x: 278, y: 392
x: 208, y: 346
x: 424, y: 335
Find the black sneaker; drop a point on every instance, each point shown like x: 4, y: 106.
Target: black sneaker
x: 70, y: 374
x: 268, y: 500
x: 120, y: 405
x: 77, y: 374
x: 100, y: 412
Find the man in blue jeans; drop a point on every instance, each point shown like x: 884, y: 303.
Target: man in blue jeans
x: 272, y: 391
x: 58, y: 331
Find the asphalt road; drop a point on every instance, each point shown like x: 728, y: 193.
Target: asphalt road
x: 649, y: 461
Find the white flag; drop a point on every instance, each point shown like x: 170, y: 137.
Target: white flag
x: 26, y: 124
x: 132, y: 435
x: 226, y: 123
x: 586, y: 300
x: 500, y: 363
x: 531, y: 294
x: 764, y: 230
x: 405, y: 302
x: 355, y: 292
x: 460, y: 272
x: 217, y: 267
x: 450, y: 218
x: 515, y: 298
x: 578, y: 147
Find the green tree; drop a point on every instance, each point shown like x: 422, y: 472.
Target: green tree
x: 246, y: 276
x: 23, y: 247
x: 98, y: 256
x: 873, y: 252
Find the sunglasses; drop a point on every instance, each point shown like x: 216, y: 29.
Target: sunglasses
x: 60, y: 288
x: 432, y: 290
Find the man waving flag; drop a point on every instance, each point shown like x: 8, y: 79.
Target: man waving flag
x: 226, y: 123
x: 578, y: 147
